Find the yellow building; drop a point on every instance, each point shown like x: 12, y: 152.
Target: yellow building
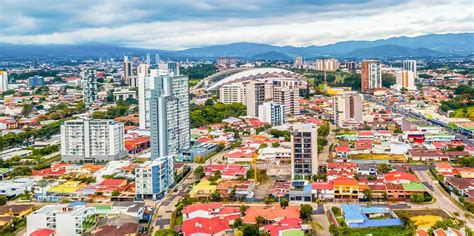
x: 67, y: 187
x: 337, y: 90
x: 346, y: 189
x: 203, y: 189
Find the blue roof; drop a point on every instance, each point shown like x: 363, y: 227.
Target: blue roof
x: 77, y: 204
x: 355, y: 212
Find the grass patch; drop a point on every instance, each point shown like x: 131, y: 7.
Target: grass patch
x: 413, y: 213
x: 467, y: 112
x: 381, y: 157
x: 374, y: 231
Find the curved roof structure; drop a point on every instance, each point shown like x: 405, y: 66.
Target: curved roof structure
x: 254, y: 73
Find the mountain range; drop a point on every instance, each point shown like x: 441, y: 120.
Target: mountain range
x: 431, y: 45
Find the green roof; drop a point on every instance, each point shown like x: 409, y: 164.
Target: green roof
x: 413, y: 186
x: 4, y: 170
x: 100, y: 207
x: 293, y: 232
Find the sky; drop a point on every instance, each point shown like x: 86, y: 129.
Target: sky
x: 180, y: 24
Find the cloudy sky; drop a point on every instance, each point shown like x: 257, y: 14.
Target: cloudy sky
x: 178, y: 24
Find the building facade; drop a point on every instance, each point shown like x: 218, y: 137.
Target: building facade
x: 65, y: 219
x: 169, y: 116
x: 232, y: 93
x: 127, y: 70
x: 371, y: 75
x: 255, y: 96
x: 348, y: 107
x: 3, y: 81
x: 90, y: 87
x: 289, y: 98
x: 36, y: 81
x: 272, y: 113
x: 406, y: 77
x: 304, y: 153
x: 86, y: 140
x: 330, y: 64
x: 154, y: 178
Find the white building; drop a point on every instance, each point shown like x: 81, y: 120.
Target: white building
x: 169, y: 116
x: 92, y: 140
x: 145, y: 86
x: 298, y: 63
x: 66, y: 219
x: 112, y: 167
x: 154, y: 178
x: 304, y: 153
x: 406, y: 77
x: 124, y: 94
x: 289, y: 98
x: 15, y: 187
x: 3, y: 81
x: 371, y: 75
x: 330, y: 64
x: 272, y: 113
x: 232, y: 93
x: 348, y: 108
x: 255, y: 96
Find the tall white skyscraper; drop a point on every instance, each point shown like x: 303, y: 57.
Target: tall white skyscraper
x: 154, y: 178
x: 3, y: 81
x: 89, y: 140
x: 304, y: 151
x: 169, y: 116
x: 348, y: 108
x: 272, y: 113
x: 148, y: 59
x: 406, y: 77
x: 90, y: 87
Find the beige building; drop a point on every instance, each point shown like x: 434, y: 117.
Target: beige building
x: 304, y: 153
x: 327, y: 64
x: 255, y: 96
x: 232, y: 93
x: 348, y: 108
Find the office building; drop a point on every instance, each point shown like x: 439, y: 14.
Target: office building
x: 255, y: 96
x: 406, y: 77
x: 304, y: 151
x: 330, y: 64
x: 272, y: 113
x: 127, y: 70
x: 157, y: 59
x: 289, y: 98
x: 35, y: 81
x: 371, y: 75
x: 3, y: 81
x: 298, y: 63
x: 232, y: 93
x: 65, y: 219
x: 351, y: 65
x: 173, y: 67
x: 148, y: 59
x: 348, y: 108
x: 154, y: 178
x: 90, y: 87
x: 87, y: 140
x: 169, y: 116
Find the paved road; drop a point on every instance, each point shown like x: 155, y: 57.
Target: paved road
x: 442, y: 198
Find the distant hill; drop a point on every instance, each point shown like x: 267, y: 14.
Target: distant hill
x: 432, y: 45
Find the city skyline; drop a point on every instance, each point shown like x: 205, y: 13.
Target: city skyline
x: 200, y: 23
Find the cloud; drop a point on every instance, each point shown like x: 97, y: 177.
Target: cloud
x: 181, y: 24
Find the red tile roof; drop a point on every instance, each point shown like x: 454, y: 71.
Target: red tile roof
x: 323, y: 185
x: 443, y: 165
x: 113, y: 182
x: 274, y: 212
x: 201, y: 225
x: 399, y: 175
x: 43, y: 232
x: 345, y: 149
x: 203, y: 207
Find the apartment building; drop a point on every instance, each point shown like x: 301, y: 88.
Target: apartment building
x: 304, y: 154
x: 90, y: 87
x: 272, y: 113
x: 348, y: 108
x: 371, y: 75
x: 154, y: 178
x: 255, y: 96
x: 232, y: 93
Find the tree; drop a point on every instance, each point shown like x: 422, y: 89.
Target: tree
x: 367, y: 193
x: 268, y: 201
x: 199, y: 172
x: 115, y: 193
x: 237, y: 223
x: 216, y: 196
x: 243, y: 209
x: 3, y: 200
x: 384, y: 168
x: 260, y: 220
x: 284, y: 202
x: 305, y: 212
x: 417, y: 198
x: 275, y: 144
x: 209, y: 102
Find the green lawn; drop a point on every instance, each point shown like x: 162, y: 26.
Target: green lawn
x: 467, y: 112
x: 375, y: 231
x: 412, y: 213
x: 385, y: 157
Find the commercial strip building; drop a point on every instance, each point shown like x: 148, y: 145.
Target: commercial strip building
x: 91, y: 140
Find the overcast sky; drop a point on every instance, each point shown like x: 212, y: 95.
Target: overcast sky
x: 178, y: 24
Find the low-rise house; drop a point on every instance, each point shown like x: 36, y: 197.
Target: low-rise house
x: 15, y: 187
x: 301, y: 191
x: 16, y: 210
x: 236, y: 189
x: 323, y: 190
x: 227, y: 171
x: 207, y: 226
x: 357, y: 216
x: 466, y: 172
x: 463, y: 186
x: 366, y: 169
x: 202, y: 190
x: 125, y: 229
x: 290, y: 226
x: 272, y: 214
x: 445, y: 168
x: 134, y: 209
x: 427, y: 155
x: 209, y: 210
x: 399, y: 177
x: 342, y: 151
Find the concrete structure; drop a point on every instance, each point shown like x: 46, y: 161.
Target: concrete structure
x: 371, y: 75
x: 330, y: 64
x: 124, y: 94
x: 406, y: 77
x: 348, y: 107
x: 35, y: 81
x: 272, y: 113
x: 154, y: 178
x: 350, y: 65
x: 92, y: 140
x: 127, y: 70
x: 15, y: 187
x: 289, y: 98
x: 89, y: 85
x: 146, y: 79
x: 298, y: 63
x: 232, y: 93
x: 3, y: 81
x: 169, y: 116
x: 66, y: 219
x: 304, y: 154
x: 255, y: 96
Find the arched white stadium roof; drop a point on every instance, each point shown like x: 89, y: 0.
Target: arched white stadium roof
x: 247, y: 73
